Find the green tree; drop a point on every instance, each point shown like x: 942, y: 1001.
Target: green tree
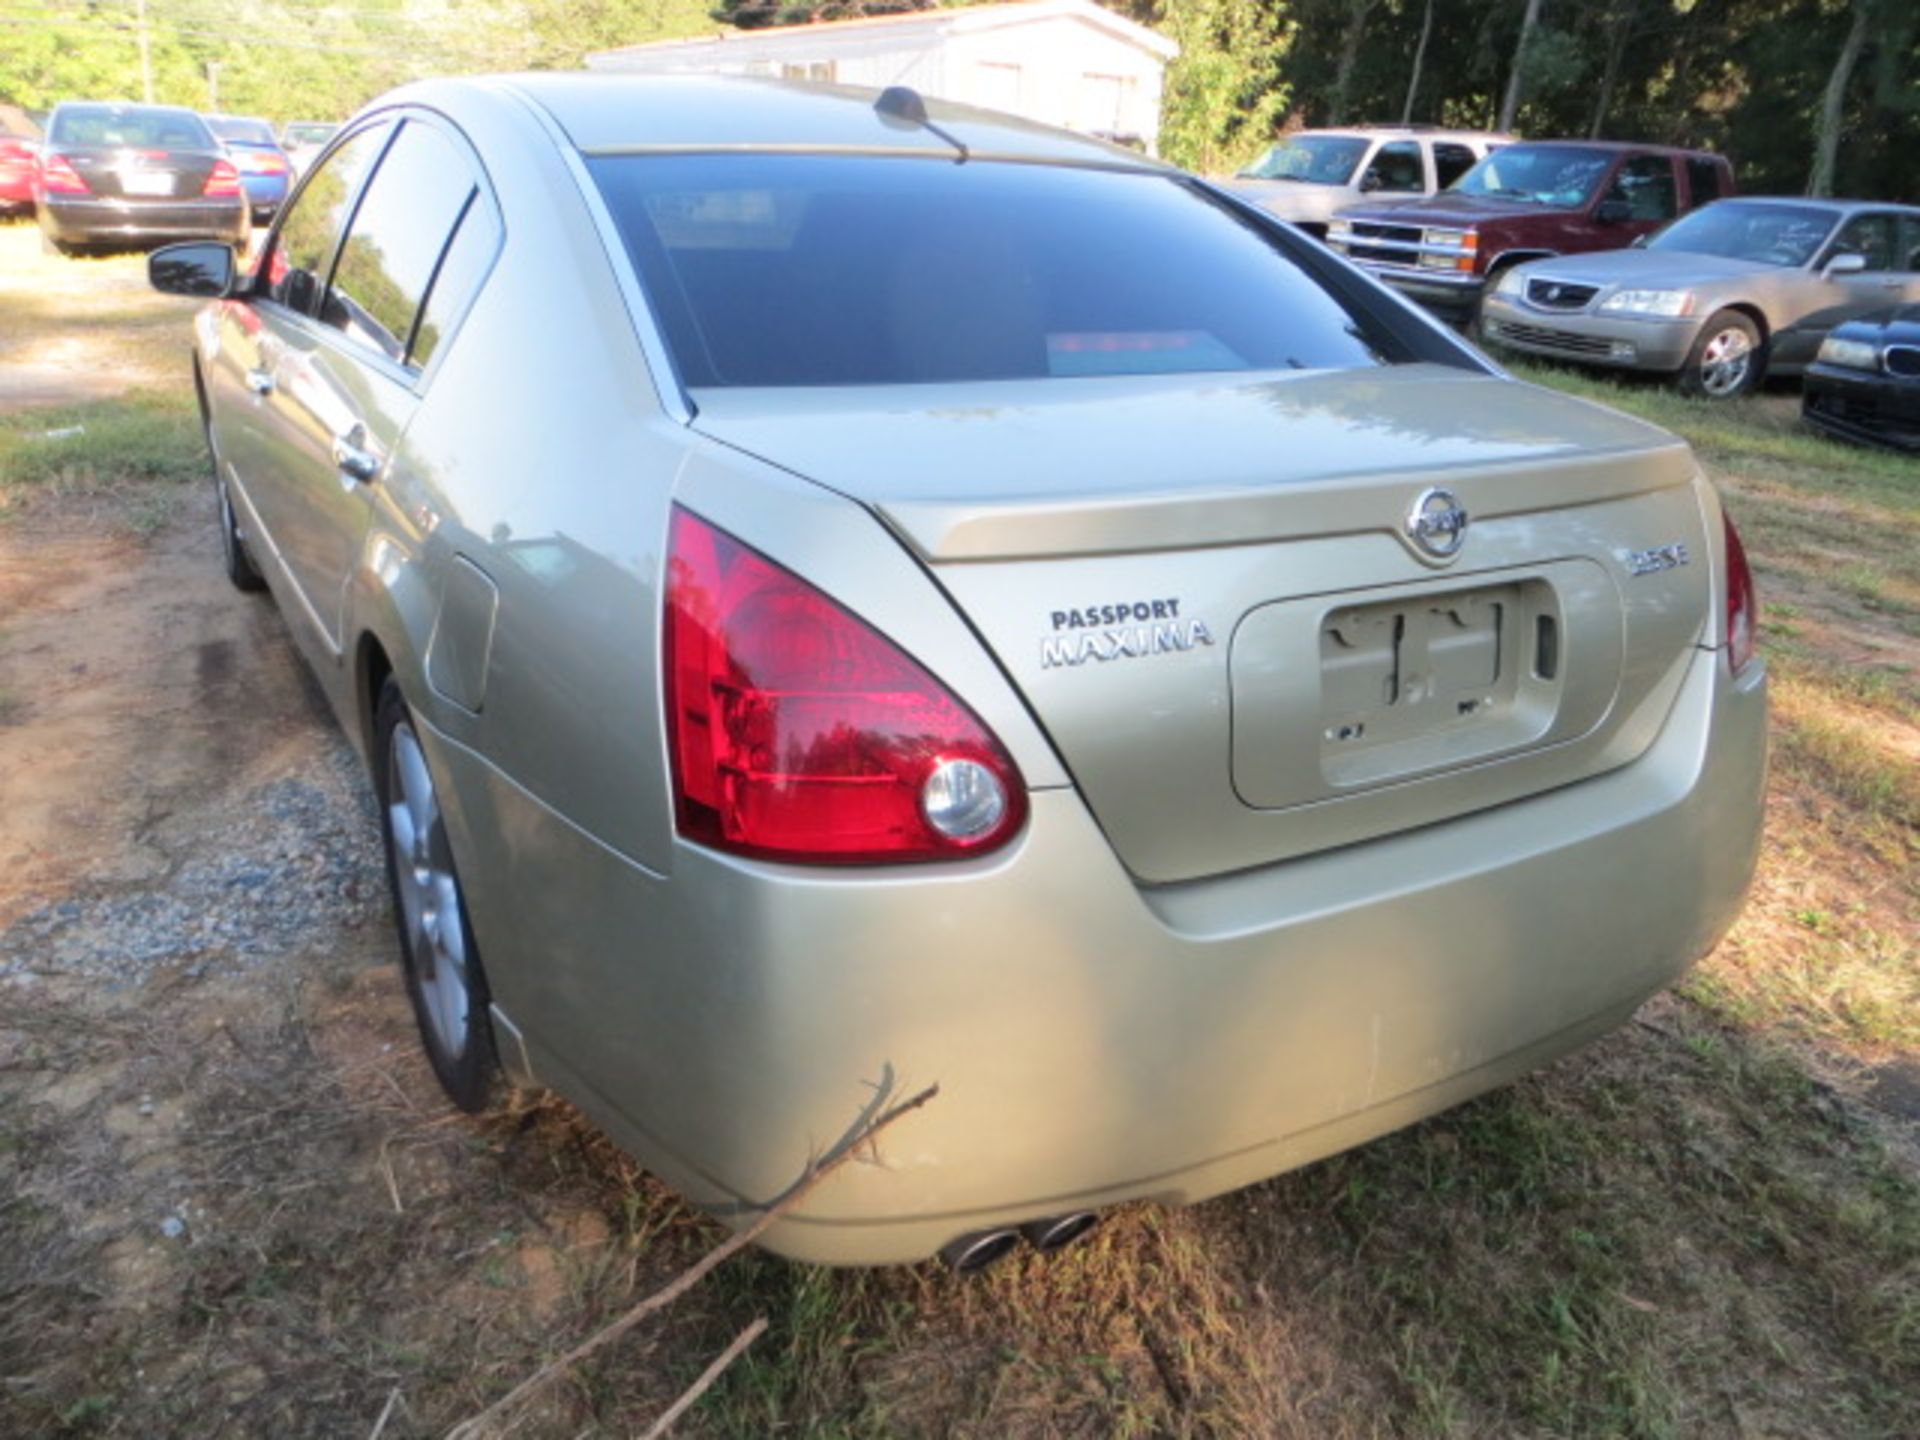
x: 1227, y: 89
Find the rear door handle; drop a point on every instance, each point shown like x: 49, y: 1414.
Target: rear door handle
x: 355, y: 463
x: 260, y: 382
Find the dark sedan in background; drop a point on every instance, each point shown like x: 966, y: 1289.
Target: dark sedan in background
x: 265, y: 172
x: 113, y: 174
x: 1865, y: 384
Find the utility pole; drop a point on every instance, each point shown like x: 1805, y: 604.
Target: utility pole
x: 213, y: 84
x: 146, y: 55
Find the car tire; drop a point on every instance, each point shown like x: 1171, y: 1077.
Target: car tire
x: 235, y: 557
x: 1727, y: 359
x: 438, y: 956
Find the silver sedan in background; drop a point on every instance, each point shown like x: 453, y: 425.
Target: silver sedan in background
x: 1739, y: 290
x: 839, y: 593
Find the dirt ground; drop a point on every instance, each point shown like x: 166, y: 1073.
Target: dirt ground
x: 232, y: 1201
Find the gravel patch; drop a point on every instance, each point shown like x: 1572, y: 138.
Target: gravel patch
x: 274, y: 870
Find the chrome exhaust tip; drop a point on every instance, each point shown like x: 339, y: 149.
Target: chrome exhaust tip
x: 1061, y: 1230
x: 977, y: 1251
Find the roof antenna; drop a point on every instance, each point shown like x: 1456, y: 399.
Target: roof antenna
x: 903, y: 102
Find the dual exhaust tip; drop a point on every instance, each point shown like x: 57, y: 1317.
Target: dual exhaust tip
x: 980, y: 1249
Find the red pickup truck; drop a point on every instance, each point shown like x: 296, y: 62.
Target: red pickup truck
x: 1525, y: 201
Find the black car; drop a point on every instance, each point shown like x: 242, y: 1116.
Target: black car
x: 1865, y: 385
x: 135, y: 174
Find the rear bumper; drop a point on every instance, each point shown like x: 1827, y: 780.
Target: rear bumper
x: 1093, y: 1041
x: 1620, y: 342
x: 1867, y: 409
x: 80, y: 221
x: 265, y: 193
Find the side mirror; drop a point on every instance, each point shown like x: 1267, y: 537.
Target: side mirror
x: 1848, y: 263
x: 1613, y: 212
x: 1369, y: 182
x: 201, y: 270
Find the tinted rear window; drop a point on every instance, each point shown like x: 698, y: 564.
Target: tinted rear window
x: 832, y: 270
x: 133, y: 125
x: 246, y: 132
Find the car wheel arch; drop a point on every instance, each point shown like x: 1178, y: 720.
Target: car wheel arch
x: 372, y: 667
x: 1507, y: 259
x: 1755, y: 314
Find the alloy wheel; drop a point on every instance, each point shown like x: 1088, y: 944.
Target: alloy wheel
x: 1725, y: 361
x: 429, y: 893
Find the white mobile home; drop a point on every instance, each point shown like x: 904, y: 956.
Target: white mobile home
x: 1061, y: 62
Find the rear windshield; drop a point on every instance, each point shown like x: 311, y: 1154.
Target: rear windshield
x: 795, y: 270
x: 310, y: 134
x: 247, y: 132
x: 1785, y: 235
x: 1562, y: 176
x: 129, y: 125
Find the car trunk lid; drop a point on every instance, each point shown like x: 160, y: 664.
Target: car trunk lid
x: 1208, y: 593
x: 139, y: 175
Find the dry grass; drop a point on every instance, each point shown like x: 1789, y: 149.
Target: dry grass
x: 1705, y: 1225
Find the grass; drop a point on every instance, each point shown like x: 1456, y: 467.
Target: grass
x: 1826, y: 956
x: 1706, y: 1224
x: 149, y: 436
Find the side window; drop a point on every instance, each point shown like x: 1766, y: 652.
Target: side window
x: 461, y: 270
x: 1645, y: 183
x: 294, y: 267
x: 1907, y: 248
x: 1396, y: 167
x: 1870, y: 236
x: 398, y: 232
x: 1450, y: 162
x: 1703, y: 180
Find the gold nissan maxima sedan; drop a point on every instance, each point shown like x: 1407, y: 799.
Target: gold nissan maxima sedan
x: 839, y: 593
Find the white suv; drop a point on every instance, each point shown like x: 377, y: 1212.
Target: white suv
x: 1305, y: 177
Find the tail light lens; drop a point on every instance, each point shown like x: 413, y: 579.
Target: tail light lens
x: 1743, y: 605
x: 223, y: 181
x: 798, y: 732
x: 270, y: 162
x: 60, y: 178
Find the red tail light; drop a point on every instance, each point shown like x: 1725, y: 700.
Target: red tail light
x: 60, y: 178
x: 223, y: 181
x: 270, y: 162
x: 1743, y: 605
x: 798, y: 732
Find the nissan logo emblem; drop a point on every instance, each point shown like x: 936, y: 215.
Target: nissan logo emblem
x: 1437, y: 523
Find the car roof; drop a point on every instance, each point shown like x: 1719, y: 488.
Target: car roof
x: 1617, y: 145
x: 605, y: 112
x: 1398, y: 132
x: 124, y: 106
x: 1822, y: 202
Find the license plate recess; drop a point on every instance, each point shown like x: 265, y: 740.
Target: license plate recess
x: 1333, y: 694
